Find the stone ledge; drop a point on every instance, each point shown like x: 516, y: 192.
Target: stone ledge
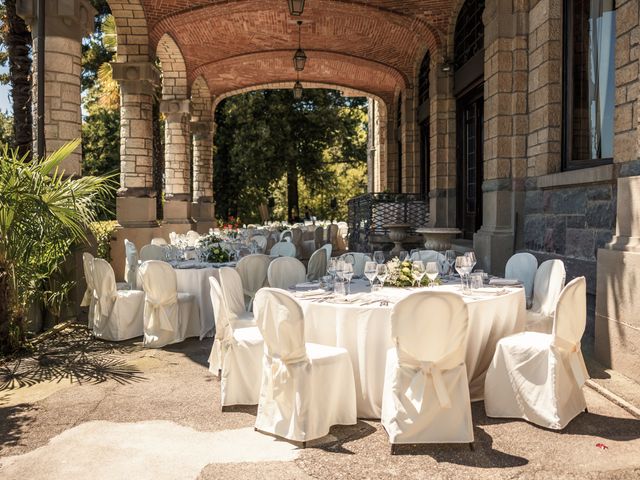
x: 599, y: 174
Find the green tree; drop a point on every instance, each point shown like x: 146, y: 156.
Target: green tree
x: 6, y: 130
x: 16, y: 39
x: 266, y: 135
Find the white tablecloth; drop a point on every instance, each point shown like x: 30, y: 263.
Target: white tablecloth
x: 365, y: 331
x: 196, y: 282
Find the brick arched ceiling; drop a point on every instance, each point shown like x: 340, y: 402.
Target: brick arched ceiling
x: 368, y: 45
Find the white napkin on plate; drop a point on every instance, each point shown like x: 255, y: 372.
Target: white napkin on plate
x: 504, y: 281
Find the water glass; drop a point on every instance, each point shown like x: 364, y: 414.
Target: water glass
x: 340, y: 286
x: 450, y: 257
x: 332, y: 267
x: 475, y: 281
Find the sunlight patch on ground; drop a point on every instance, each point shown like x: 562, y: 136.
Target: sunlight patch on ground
x: 145, y: 450
x: 33, y: 393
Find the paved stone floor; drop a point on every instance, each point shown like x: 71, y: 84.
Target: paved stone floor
x: 78, y: 409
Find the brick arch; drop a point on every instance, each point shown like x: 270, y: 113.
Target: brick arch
x: 348, y: 92
x: 200, y: 100
x: 322, y: 67
x: 174, y: 70
x: 132, y: 30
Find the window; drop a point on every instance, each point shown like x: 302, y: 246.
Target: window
x: 468, y: 37
x: 399, y: 137
x: 588, y: 82
x: 423, y: 120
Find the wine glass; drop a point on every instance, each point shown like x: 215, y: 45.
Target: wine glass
x: 370, y: 272
x: 331, y: 268
x: 378, y: 256
x: 463, y: 267
x: 417, y: 271
x: 450, y: 257
x: 340, y: 269
x: 472, y: 259
x: 347, y: 273
x: 382, y: 273
x: 403, y: 255
x: 431, y: 269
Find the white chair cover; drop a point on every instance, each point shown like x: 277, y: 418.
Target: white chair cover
x: 237, y: 349
x: 283, y: 249
x: 173, y: 238
x: 286, y: 234
x: 193, y: 238
x: 260, y: 241
x: 285, y: 272
x: 305, y: 388
x: 233, y: 295
x: 428, y: 256
x: 328, y: 248
x: 296, y: 239
x: 426, y: 391
x: 169, y: 316
x: 153, y: 252
x: 522, y: 266
x: 359, y: 260
x: 317, y: 267
x: 539, y: 377
x: 158, y: 241
x: 253, y: 272
x: 547, y: 285
x: 118, y: 313
x: 88, y: 300
x: 131, y: 264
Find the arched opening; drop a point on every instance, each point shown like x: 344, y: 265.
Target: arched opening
x: 423, y: 123
x: 468, y: 89
x: 399, y: 144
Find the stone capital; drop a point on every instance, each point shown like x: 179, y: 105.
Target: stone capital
x: 175, y: 110
x: 202, y: 129
x: 136, y: 77
x: 72, y: 19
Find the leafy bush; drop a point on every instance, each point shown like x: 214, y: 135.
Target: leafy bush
x: 103, y: 231
x: 43, y: 215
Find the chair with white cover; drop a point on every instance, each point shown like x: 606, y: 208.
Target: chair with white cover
x: 153, y: 252
x: 318, y: 236
x: 306, y: 388
x: 328, y: 248
x: 238, y: 347
x: 169, y: 316
x: 118, y: 313
x: 296, y: 239
x: 358, y: 260
x: 285, y: 235
x: 285, y: 272
x: 253, y: 272
x: 233, y: 294
x: 88, y: 300
x: 260, y: 241
x: 317, y: 266
x: 428, y: 256
x: 131, y: 264
x: 522, y: 266
x: 425, y: 396
x: 547, y: 285
x: 538, y: 376
x: 158, y: 241
x: 283, y: 249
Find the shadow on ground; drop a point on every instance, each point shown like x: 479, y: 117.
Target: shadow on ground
x: 13, y: 422
x: 71, y: 354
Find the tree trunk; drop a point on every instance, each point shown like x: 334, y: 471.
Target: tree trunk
x: 18, y: 41
x: 292, y: 190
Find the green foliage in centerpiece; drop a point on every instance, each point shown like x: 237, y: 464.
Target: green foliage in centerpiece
x: 400, y: 275
x: 212, y: 244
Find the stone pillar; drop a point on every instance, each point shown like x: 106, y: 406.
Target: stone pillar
x: 442, y: 122
x: 505, y: 132
x: 177, y: 169
x: 203, y: 206
x: 410, y: 174
x: 136, y: 203
x: 67, y: 21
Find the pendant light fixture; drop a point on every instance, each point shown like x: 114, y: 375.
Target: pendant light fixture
x: 296, y: 7
x: 299, y: 58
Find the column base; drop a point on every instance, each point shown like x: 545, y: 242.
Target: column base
x: 136, y: 212
x: 177, y: 212
x: 617, y: 329
x: 204, y: 214
x: 493, y: 248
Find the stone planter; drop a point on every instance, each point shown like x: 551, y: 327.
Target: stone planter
x: 436, y: 238
x: 398, y: 232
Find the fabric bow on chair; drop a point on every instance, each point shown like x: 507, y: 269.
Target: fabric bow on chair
x: 424, y: 372
x: 159, y: 318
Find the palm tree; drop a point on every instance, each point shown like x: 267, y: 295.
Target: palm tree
x: 17, y: 39
x: 43, y: 214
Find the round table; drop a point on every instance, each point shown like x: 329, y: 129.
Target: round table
x: 365, y: 332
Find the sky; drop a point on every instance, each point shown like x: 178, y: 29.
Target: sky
x: 5, y: 102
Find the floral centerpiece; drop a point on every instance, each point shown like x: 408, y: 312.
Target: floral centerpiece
x: 211, y: 245
x: 400, y: 275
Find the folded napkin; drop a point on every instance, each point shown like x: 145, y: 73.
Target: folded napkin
x: 488, y: 291
x: 312, y: 293
x: 504, y: 281
x: 307, y: 286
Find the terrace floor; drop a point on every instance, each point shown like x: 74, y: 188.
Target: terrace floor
x: 81, y: 408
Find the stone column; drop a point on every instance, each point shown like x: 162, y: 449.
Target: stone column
x: 203, y: 206
x: 505, y: 132
x: 67, y: 21
x: 136, y: 203
x: 177, y: 170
